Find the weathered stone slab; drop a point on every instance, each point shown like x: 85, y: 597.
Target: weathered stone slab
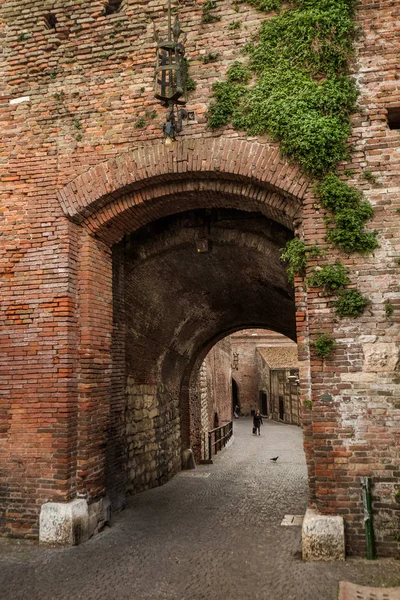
x: 188, y: 461
x: 322, y: 537
x: 381, y: 357
x: 353, y: 591
x: 71, y: 523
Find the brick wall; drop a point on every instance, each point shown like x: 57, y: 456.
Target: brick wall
x: 89, y: 84
x: 215, y: 389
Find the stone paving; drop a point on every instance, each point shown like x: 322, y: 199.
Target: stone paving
x: 217, y: 537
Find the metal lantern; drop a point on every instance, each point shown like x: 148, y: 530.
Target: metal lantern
x: 170, y: 79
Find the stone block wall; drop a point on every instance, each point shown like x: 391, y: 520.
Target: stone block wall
x: 152, y: 436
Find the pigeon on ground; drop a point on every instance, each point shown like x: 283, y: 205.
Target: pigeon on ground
x: 274, y: 459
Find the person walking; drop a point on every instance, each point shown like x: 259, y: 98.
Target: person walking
x: 257, y: 422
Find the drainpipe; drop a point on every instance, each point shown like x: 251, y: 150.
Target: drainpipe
x: 369, y: 530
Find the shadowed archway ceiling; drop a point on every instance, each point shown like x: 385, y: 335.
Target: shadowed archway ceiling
x: 177, y: 299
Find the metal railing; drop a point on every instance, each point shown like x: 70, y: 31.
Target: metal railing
x: 215, y: 440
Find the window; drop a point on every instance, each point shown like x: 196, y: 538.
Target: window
x: 113, y: 6
x: 393, y: 118
x: 50, y: 21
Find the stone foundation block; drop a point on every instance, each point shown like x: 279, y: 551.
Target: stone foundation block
x: 188, y: 461
x: 71, y: 523
x: 322, y: 537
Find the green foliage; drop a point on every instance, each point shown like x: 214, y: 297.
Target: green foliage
x: 336, y: 195
x: 59, y: 96
x: 324, y: 345
x: 140, y: 123
x: 207, y: 15
x: 350, y: 303
x: 295, y: 254
x: 307, y: 404
x: 389, y: 310
x: 77, y: 124
x: 228, y: 95
x: 235, y: 25
x: 238, y: 73
x: 266, y: 5
x: 313, y: 39
x: 329, y: 277
x: 210, y: 57
x: 302, y: 96
x: 350, y: 213
x: 191, y: 84
x: 369, y: 176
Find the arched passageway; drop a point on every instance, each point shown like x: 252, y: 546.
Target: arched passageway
x: 181, y: 283
x: 177, y: 249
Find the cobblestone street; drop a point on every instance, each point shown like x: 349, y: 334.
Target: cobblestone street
x: 214, y: 533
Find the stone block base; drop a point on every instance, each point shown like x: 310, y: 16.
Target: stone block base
x: 188, y: 461
x: 322, y: 537
x: 71, y: 523
x: 352, y: 591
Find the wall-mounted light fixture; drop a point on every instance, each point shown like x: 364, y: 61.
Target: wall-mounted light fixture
x: 235, y: 361
x: 171, y: 76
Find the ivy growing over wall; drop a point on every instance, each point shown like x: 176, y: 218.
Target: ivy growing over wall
x: 296, y: 87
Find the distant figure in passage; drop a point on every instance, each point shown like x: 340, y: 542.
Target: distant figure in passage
x: 257, y: 422
x: 236, y: 412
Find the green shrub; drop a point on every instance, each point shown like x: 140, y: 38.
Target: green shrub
x: 324, y: 345
x: 238, y: 73
x: 350, y: 303
x: 207, y: 15
x: 295, y: 254
x: 350, y: 213
x: 302, y: 96
x: 389, y: 310
x: 329, y: 277
x: 228, y: 97
x: 210, y: 57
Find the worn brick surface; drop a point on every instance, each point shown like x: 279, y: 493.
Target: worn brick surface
x: 77, y: 150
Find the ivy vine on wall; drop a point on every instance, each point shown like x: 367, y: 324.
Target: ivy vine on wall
x: 295, y: 86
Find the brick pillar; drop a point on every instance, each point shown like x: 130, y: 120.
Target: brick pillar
x: 302, y: 329
x: 95, y: 323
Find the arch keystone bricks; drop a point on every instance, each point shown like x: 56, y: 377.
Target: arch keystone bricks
x: 156, y: 164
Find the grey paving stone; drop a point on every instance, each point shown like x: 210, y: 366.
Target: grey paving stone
x: 217, y: 537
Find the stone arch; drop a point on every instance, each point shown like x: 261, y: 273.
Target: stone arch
x: 190, y: 383
x: 121, y: 194
x: 117, y: 197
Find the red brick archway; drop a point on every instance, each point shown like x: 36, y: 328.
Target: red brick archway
x: 121, y: 194
x: 117, y: 197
